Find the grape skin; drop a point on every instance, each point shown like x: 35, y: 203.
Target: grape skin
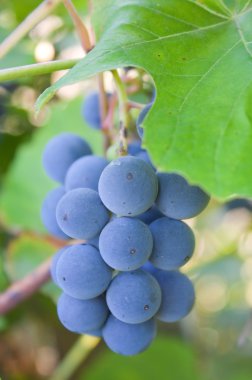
x: 81, y: 214
x: 54, y: 263
x: 91, y: 110
x: 125, y: 244
x: 174, y: 243
x: 178, y: 295
x: 82, y: 273
x: 85, y: 172
x: 177, y: 199
x: 128, y: 339
x: 134, y: 297
x: 60, y: 152
x: 82, y: 316
x: 150, y: 215
x: 128, y: 186
x: 48, y: 212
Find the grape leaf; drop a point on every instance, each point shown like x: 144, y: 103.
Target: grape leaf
x: 199, y: 55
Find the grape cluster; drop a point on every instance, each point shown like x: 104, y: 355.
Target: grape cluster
x: 124, y: 274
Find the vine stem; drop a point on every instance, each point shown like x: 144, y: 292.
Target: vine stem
x: 123, y: 114
x: 79, y: 26
x: 77, y: 354
x: 22, y: 289
x: 36, y: 69
x: 39, y: 13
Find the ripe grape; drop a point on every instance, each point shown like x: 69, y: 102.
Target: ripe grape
x: 150, y: 215
x: 81, y: 316
x: 145, y: 156
x: 91, y: 110
x: 54, y: 263
x: 177, y: 295
x: 141, y: 118
x: 82, y: 273
x: 85, y: 172
x: 128, y: 186
x: 125, y: 244
x: 128, y: 339
x: 81, y: 214
x: 134, y: 147
x: 48, y: 212
x: 134, y: 297
x: 60, y: 152
x: 177, y: 198
x: 174, y: 243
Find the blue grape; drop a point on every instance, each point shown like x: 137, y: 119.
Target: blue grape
x: 174, y: 243
x: 94, y: 242
x: 177, y: 199
x: 128, y: 186
x: 134, y: 147
x: 134, y: 297
x: 125, y: 244
x: 82, y: 273
x: 150, y: 215
x: 141, y: 118
x: 54, y: 263
x: 81, y: 214
x: 145, y: 156
x: 81, y: 316
x: 178, y: 295
x: 128, y: 339
x: 48, y: 212
x: 91, y: 110
x: 85, y: 173
x: 60, y: 152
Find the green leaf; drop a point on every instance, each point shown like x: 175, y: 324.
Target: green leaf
x: 165, y: 356
x: 26, y: 183
x: 199, y: 56
x: 25, y: 254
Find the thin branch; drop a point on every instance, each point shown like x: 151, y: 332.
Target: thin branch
x: 23, y: 289
x: 79, y: 26
x: 123, y: 113
x: 43, y: 10
x: 104, y: 106
x: 36, y: 69
x: 77, y: 354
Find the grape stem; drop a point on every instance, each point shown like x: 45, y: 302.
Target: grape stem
x: 39, y: 13
x: 36, y: 69
x: 84, y: 345
x: 104, y: 109
x: 22, y: 289
x: 123, y: 114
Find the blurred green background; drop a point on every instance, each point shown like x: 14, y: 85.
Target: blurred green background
x: 213, y: 342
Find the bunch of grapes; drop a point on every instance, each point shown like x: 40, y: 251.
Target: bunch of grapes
x: 122, y: 275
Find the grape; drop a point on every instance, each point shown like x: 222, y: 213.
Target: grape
x: 177, y: 295
x: 141, y: 118
x: 125, y: 244
x: 48, y: 212
x: 127, y: 339
x: 94, y: 242
x: 174, y: 243
x: 81, y: 214
x: 81, y: 316
x: 82, y: 273
x: 85, y: 172
x: 150, y: 215
x: 134, y: 147
x: 54, y: 263
x: 177, y: 199
x: 91, y: 110
x: 128, y: 186
x: 134, y: 297
x: 145, y: 156
x: 60, y: 152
